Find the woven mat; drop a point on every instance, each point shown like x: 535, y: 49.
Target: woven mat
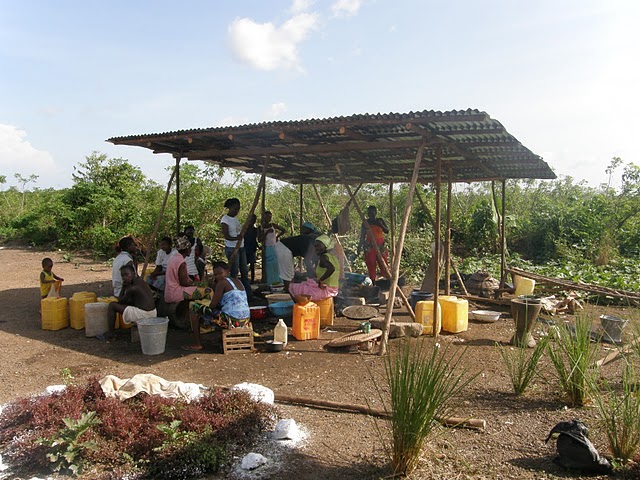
x: 354, y: 338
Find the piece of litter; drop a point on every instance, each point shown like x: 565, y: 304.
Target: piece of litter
x: 286, y: 429
x: 51, y: 389
x: 330, y: 331
x: 251, y: 461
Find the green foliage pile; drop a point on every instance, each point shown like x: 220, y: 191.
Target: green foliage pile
x: 560, y: 227
x: 146, y: 436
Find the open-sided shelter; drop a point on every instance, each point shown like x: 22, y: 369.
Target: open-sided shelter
x: 426, y: 147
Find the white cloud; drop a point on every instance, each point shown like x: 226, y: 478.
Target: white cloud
x: 299, y: 6
x: 346, y: 8
x: 265, y: 46
x: 17, y: 155
x: 277, y: 109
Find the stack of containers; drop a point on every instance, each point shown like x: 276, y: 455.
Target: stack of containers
x: 55, y: 313
x: 306, y: 321
x: 76, y: 308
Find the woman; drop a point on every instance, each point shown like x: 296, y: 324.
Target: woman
x: 325, y: 284
x: 231, y: 309
x: 157, y: 277
x: 127, y: 250
x: 379, y: 229
x: 232, y: 231
x: 178, y: 285
x: 269, y: 236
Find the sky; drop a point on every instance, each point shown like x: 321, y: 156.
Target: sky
x: 562, y: 76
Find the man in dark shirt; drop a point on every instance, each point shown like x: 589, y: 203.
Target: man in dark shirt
x: 297, y: 246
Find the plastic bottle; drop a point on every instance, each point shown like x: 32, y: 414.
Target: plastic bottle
x: 281, y: 332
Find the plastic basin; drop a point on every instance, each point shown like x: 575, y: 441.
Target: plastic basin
x: 281, y: 309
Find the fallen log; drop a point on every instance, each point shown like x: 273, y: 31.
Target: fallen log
x: 471, y: 423
x: 632, y: 297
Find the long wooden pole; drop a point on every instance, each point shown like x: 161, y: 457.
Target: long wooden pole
x: 301, y: 204
x: 383, y: 264
x: 247, y: 222
x: 447, y: 265
x: 396, y: 260
x: 263, y: 248
x: 178, y: 225
x: 328, y: 219
x: 392, y: 223
x: 503, y: 240
x: 471, y: 423
x: 437, y: 321
x: 458, y: 422
x: 158, y: 220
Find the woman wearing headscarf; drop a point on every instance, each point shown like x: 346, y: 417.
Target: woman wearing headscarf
x: 178, y: 285
x: 325, y: 284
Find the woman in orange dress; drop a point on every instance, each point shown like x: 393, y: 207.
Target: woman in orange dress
x: 379, y: 229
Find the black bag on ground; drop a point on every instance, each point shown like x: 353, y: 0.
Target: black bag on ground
x: 575, y: 450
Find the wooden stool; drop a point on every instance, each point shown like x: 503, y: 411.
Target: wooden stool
x: 237, y: 340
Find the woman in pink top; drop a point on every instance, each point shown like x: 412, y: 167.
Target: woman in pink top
x: 178, y: 286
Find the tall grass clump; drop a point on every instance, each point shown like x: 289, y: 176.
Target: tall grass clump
x: 422, y: 381
x: 573, y: 356
x: 619, y: 414
x: 522, y: 366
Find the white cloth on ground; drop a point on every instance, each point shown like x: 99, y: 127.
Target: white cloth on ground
x: 124, y: 388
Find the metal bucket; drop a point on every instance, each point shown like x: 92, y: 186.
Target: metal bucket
x: 613, y: 327
x: 153, y: 335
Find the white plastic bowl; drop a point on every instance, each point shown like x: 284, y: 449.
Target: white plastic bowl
x: 486, y: 316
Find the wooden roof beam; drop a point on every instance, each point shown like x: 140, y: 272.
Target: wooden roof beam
x: 310, y: 149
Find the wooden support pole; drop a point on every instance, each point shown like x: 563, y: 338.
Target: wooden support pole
x: 263, y: 208
x: 328, y: 219
x: 178, y: 225
x: 301, y: 204
x: 396, y: 260
x: 447, y: 239
x: 503, y: 240
x: 392, y: 224
x: 156, y: 227
x: 437, y: 322
x: 251, y: 210
x: 385, y: 267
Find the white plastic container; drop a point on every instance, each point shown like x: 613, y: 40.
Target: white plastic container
x: 96, y: 321
x: 281, y: 332
x: 153, y: 334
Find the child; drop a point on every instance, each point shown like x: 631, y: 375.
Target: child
x: 49, y: 279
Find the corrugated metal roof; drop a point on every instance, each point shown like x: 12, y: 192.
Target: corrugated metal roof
x: 377, y: 148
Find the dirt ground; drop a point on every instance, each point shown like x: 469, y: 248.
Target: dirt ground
x: 339, y: 445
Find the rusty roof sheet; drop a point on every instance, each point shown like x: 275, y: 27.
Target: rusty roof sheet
x: 368, y: 148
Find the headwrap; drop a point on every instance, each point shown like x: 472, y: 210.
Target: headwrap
x: 310, y: 226
x: 326, y: 241
x: 182, y: 243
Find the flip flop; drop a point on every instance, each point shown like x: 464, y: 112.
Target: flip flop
x: 192, y: 348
